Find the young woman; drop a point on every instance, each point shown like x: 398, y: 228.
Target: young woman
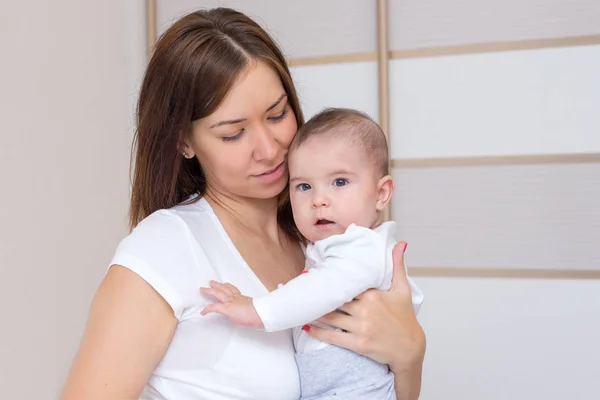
x: 216, y: 113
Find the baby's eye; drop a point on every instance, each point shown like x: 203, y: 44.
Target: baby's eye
x: 340, y: 182
x: 303, y: 187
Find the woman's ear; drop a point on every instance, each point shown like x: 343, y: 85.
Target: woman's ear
x: 385, y: 189
x: 186, y: 149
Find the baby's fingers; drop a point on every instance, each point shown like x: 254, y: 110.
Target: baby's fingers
x: 226, y: 288
x: 216, y: 293
x: 212, y: 308
x: 233, y: 290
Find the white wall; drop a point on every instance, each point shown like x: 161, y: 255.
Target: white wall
x: 542, y: 101
x: 518, y: 339
x: 69, y: 73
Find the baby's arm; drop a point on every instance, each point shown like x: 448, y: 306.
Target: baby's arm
x: 352, y: 263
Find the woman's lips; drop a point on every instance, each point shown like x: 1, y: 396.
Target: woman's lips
x: 272, y: 175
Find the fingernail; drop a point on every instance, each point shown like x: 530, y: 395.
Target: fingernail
x: 306, y: 328
x: 405, y: 246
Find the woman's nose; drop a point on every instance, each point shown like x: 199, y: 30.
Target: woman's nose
x: 267, y: 147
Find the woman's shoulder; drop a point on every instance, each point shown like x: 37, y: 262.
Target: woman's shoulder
x: 164, y: 251
x: 172, y: 224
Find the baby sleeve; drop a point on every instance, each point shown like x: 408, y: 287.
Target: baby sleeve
x: 345, y: 266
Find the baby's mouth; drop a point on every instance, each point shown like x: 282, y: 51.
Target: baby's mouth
x: 323, y: 221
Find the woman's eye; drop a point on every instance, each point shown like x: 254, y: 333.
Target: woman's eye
x: 232, y: 138
x: 340, y: 182
x: 281, y: 116
x: 303, y: 187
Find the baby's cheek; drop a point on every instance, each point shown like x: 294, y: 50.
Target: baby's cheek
x: 303, y: 221
x: 363, y: 216
x: 297, y: 207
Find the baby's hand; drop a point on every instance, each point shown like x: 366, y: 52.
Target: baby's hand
x: 239, y: 309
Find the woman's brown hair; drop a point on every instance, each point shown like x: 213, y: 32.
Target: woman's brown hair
x: 193, y: 66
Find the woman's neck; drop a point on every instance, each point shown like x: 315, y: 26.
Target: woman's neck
x: 256, y: 216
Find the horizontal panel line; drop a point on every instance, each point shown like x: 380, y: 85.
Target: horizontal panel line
x: 451, y: 50
x: 476, y: 48
x: 332, y: 59
x: 502, y: 273
x: 574, y: 158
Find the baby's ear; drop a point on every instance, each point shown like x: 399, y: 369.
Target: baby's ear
x: 385, y: 189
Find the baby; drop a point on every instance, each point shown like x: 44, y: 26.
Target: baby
x: 339, y: 184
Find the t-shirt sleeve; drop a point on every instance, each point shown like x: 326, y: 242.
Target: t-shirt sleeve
x: 160, y: 251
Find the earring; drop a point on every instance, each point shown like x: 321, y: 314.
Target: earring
x: 185, y: 154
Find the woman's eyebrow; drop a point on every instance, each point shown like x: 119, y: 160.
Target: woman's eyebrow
x: 272, y: 106
x: 240, y: 120
x: 228, y: 122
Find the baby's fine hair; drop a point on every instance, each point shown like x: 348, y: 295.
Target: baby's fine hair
x: 352, y: 125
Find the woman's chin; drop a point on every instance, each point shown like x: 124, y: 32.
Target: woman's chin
x: 273, y: 192
x: 264, y: 193
x: 270, y: 191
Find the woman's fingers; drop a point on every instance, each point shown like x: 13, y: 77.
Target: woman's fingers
x: 379, y: 325
x: 350, y: 308
x: 360, y: 344
x: 337, y: 338
x: 339, y: 320
x: 348, y: 316
x: 399, y: 280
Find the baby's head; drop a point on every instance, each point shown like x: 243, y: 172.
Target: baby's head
x: 338, y: 164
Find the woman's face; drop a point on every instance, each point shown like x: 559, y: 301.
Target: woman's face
x: 243, y: 145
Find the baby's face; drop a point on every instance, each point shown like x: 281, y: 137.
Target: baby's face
x: 332, y: 185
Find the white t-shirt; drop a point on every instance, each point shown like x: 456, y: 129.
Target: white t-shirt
x: 339, y: 268
x: 177, y: 251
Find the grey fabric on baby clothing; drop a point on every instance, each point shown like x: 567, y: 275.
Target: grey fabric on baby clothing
x: 334, y: 373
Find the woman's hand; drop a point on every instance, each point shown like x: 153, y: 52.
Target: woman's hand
x: 383, y: 327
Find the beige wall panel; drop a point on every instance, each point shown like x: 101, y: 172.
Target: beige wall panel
x: 515, y: 216
x: 432, y: 23
x: 308, y: 28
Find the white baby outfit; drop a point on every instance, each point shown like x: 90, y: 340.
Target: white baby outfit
x: 339, y: 268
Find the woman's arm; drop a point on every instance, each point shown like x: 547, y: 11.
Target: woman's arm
x: 383, y: 326
x: 129, y: 329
